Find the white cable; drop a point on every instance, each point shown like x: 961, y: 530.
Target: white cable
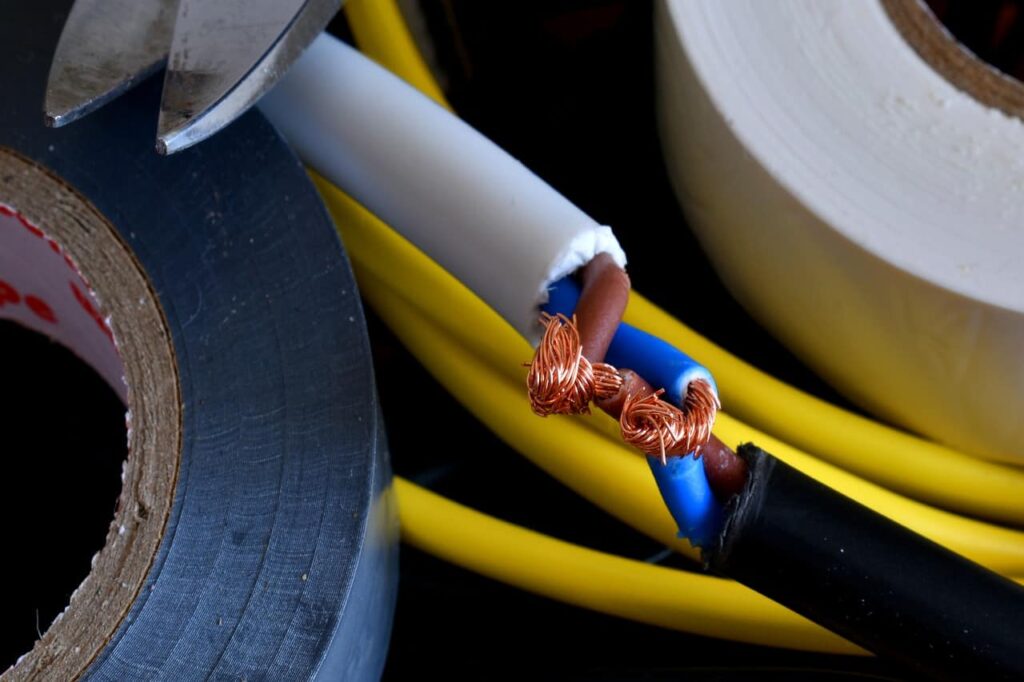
x: 470, y: 206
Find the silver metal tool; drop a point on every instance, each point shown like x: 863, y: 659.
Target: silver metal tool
x: 221, y: 56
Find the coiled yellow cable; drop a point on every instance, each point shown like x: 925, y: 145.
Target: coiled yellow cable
x: 586, y: 453
x: 401, y: 283
x: 685, y: 601
x: 892, y: 458
x: 611, y: 584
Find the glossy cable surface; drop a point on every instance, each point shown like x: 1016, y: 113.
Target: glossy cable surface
x: 923, y: 470
x: 630, y: 589
x: 535, y: 562
x: 571, y: 448
x: 997, y: 547
x: 387, y: 264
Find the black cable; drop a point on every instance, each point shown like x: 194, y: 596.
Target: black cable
x: 868, y: 578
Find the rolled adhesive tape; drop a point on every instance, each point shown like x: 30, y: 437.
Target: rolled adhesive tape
x: 857, y: 179
x: 254, y: 537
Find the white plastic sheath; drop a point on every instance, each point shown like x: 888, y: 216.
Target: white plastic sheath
x: 474, y: 209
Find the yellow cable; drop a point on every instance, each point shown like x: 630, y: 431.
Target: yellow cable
x: 607, y: 473
x: 922, y: 469
x: 381, y: 33
x: 541, y: 564
x: 384, y: 260
x: 659, y: 596
x: 885, y: 455
x: 571, y: 454
x: 631, y: 589
x: 615, y: 477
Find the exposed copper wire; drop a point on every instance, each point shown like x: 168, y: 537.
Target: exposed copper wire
x: 659, y: 428
x: 607, y: 380
x: 566, y: 375
x: 561, y: 380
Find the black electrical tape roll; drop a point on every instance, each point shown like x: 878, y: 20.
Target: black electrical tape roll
x: 277, y: 556
x: 868, y: 578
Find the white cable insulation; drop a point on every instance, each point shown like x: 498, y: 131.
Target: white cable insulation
x: 481, y: 214
x: 862, y: 207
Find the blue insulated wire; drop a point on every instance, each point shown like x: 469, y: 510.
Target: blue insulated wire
x: 682, y: 481
x: 661, y: 363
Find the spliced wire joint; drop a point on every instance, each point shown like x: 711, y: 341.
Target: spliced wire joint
x: 562, y: 381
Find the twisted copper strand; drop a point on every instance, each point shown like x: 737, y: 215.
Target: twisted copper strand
x: 561, y: 380
x: 659, y: 428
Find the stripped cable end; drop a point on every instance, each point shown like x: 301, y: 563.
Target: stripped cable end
x: 659, y: 428
x: 561, y: 380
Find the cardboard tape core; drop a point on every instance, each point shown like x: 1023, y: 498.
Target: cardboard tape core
x: 953, y: 61
x: 65, y: 272
x: 41, y: 288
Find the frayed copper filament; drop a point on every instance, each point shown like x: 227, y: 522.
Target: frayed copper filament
x: 561, y: 380
x: 659, y: 428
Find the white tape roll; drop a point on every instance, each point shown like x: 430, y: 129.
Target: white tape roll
x: 866, y: 209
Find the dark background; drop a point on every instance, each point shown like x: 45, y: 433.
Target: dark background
x: 567, y: 88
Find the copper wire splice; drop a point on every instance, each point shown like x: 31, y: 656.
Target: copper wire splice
x: 659, y: 428
x: 566, y: 374
x: 561, y: 380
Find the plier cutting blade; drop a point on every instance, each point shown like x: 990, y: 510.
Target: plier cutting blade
x: 221, y: 56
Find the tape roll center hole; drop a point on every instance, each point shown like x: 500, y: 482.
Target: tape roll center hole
x: 66, y: 433
x: 994, y: 32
